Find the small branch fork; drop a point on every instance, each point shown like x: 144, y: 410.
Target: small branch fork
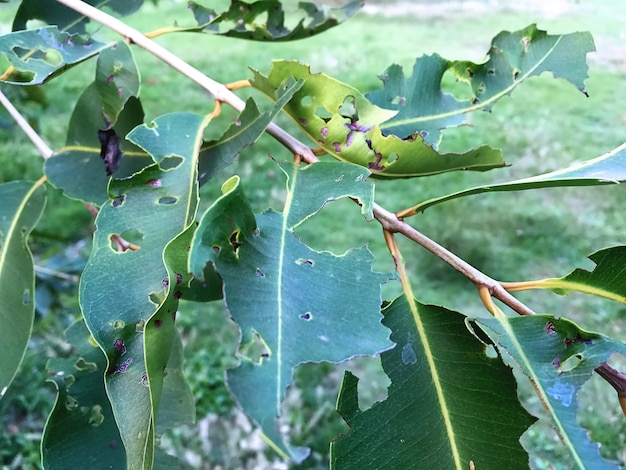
x: 488, y: 288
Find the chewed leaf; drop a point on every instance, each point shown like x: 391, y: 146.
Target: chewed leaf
x: 609, y: 168
x: 248, y: 127
x: 78, y: 168
x: 446, y: 395
x: 606, y: 280
x: 64, y: 17
x: 36, y: 54
x: 557, y: 369
x: 293, y: 304
x: 82, y: 410
x: 345, y: 124
x: 265, y: 20
x: 423, y: 107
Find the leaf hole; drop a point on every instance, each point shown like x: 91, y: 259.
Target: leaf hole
x: 96, y: 418
x: 82, y: 364
x: 348, y: 109
x: 255, y: 350
x: 71, y: 403
x: 117, y: 201
x: 128, y: 240
x: 305, y: 261
x: 167, y: 200
x: 171, y: 162
x: 322, y: 113
x: 234, y: 242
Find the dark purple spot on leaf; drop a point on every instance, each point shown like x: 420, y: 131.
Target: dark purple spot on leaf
x: 475, y: 101
x: 119, y: 91
x: 550, y: 328
x: 577, y: 340
x: 557, y: 362
x: 119, y: 346
x: 179, y: 278
x: 174, y: 316
x: 303, y: 121
x: 324, y: 132
x: 165, y: 282
x: 216, y: 249
x: 584, y: 92
x: 237, y: 123
x: 491, y: 72
x: 110, y: 79
x: 306, y: 316
x: 337, y: 146
x: 349, y: 139
x: 158, y: 324
x: 144, y: 379
x: 259, y: 273
x: 178, y: 294
x: 110, y: 150
x: 256, y: 232
x: 117, y: 201
x: 304, y: 261
x: 155, y: 183
x: 470, y: 73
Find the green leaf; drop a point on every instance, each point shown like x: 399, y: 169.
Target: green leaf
x: 81, y: 427
x: 448, y: 405
x: 129, y: 298
x: 293, y: 304
x: 64, y: 17
x: 423, y: 107
x: 21, y: 207
x: 606, y: 280
x: 117, y: 80
x: 265, y: 20
x: 38, y: 54
x: 558, y: 357
x: 77, y: 168
x: 345, y: 124
x: 609, y: 168
x: 247, y: 128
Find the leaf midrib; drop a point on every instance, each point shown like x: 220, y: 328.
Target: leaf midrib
x: 477, y: 106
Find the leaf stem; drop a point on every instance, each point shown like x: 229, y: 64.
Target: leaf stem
x: 617, y: 380
x: 43, y: 148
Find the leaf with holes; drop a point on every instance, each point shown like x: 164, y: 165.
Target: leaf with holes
x: 265, y: 20
x: 606, y: 280
x: 448, y: 405
x: 609, y: 168
x: 82, y: 412
x: 64, y: 17
x: 247, y: 128
x: 78, y: 168
x: 34, y: 56
x: 293, y: 304
x: 423, y: 107
x: 127, y: 293
x: 345, y: 124
x: 21, y: 207
x: 558, y: 357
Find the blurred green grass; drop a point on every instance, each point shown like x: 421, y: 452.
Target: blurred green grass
x: 544, y: 125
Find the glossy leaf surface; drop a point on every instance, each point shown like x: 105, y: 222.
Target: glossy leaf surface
x: 606, y: 280
x: 609, y: 168
x: 251, y: 123
x: 265, y: 20
x: 66, y: 18
x: 425, y: 109
x: 449, y: 404
x: 20, y: 208
x: 81, y: 426
x: 345, y: 124
x: 293, y: 304
x: 34, y: 56
x: 129, y: 298
x: 558, y: 357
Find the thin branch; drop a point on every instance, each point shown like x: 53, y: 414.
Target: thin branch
x: 45, y: 151
x: 218, y: 90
